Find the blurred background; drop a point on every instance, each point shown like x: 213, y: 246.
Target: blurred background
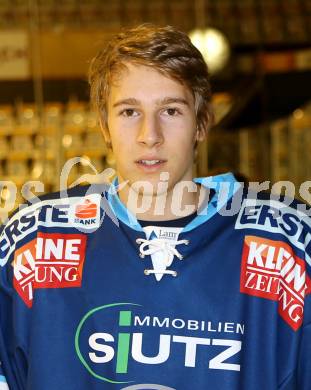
x: 259, y: 53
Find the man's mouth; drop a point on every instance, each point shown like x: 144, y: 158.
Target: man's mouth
x: 150, y: 162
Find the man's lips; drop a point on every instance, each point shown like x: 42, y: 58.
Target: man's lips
x: 150, y: 163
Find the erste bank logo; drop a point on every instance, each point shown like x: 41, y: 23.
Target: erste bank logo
x: 52, y: 260
x: 87, y: 210
x: 86, y: 213
x: 120, y: 343
x: 271, y: 270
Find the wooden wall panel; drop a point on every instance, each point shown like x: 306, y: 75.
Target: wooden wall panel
x: 67, y: 53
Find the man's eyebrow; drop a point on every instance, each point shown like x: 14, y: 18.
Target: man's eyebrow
x: 129, y: 101
x: 169, y: 100
x: 166, y: 100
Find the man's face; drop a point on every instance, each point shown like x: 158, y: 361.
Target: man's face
x: 151, y: 126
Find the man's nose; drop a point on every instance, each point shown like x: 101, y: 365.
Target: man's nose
x: 150, y: 133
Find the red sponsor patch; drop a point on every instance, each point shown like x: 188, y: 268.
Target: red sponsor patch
x: 271, y: 270
x: 86, y: 210
x: 52, y: 260
x: 24, y: 271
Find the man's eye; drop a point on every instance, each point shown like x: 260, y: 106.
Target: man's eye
x: 129, y: 112
x: 172, y: 111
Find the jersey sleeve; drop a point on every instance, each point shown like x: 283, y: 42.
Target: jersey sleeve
x: 14, y: 323
x: 6, y: 369
x: 304, y: 359
x: 304, y: 362
x: 301, y: 379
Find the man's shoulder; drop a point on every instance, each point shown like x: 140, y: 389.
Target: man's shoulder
x: 276, y: 204
x: 276, y: 217
x: 58, y: 198
x: 74, y: 210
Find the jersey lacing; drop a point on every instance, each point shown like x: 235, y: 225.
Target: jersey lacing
x: 149, y: 247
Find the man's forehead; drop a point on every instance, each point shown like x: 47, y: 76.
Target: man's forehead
x: 127, y: 72
x: 133, y: 86
x: 138, y: 91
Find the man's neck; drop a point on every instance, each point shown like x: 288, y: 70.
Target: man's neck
x: 161, y: 207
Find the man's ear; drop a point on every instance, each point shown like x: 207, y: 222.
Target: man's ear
x: 105, y: 131
x: 200, y: 135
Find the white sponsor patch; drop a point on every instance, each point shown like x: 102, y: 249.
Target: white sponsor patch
x: 82, y: 213
x: 275, y: 217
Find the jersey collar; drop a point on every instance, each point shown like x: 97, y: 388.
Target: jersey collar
x: 215, y: 183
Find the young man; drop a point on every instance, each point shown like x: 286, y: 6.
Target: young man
x: 162, y: 281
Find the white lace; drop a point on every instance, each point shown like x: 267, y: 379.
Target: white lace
x: 149, y: 247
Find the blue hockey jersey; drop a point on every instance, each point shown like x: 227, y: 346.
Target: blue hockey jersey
x: 91, y: 300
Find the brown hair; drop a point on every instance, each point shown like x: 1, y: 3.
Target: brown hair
x: 168, y: 50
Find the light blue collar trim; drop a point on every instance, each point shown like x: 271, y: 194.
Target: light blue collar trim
x: 226, y: 183
x: 121, y: 212
x: 225, y: 186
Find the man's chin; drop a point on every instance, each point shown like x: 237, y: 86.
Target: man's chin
x: 149, y: 188
x: 143, y: 191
